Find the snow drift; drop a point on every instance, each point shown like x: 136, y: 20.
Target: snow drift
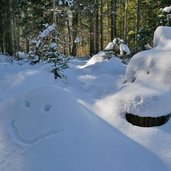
x: 44, y: 135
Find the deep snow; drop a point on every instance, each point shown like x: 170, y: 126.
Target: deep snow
x: 78, y: 124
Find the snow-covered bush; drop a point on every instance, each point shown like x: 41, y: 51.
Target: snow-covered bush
x: 45, y: 48
x: 65, y: 2
x: 21, y: 55
x: 119, y: 47
x: 165, y: 16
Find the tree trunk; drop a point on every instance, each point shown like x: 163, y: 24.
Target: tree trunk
x: 137, y: 22
x: 18, y: 38
x: 101, y: 24
x: 75, y: 30
x: 1, y: 30
x: 91, y: 19
x: 8, y: 33
x: 27, y: 45
x: 97, y: 26
x: 113, y: 19
x: 108, y: 7
x: 125, y: 21
x: 69, y: 36
x: 14, y: 32
x: 138, y: 17
x: 54, y: 11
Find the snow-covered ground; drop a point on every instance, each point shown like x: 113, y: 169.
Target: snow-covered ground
x: 78, y: 124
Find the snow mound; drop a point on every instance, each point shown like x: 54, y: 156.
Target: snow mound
x: 99, y: 57
x: 22, y: 55
x: 150, y: 66
x: 112, y: 66
x: 162, y: 38
x: 148, y: 77
x: 94, y: 80
x: 5, y: 59
x: 51, y: 137
x: 109, y: 46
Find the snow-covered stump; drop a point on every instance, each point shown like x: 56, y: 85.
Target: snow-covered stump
x: 147, y: 81
x: 147, y: 121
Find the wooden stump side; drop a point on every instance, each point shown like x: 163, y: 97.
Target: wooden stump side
x: 146, y: 121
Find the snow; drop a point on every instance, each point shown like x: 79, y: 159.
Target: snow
x: 78, y: 123
x: 39, y: 41
x: 148, y: 75
x: 99, y: 57
x: 145, y: 92
x: 53, y: 45
x: 70, y: 3
x: 117, y: 42
x: 124, y: 48
x: 78, y: 40
x: 21, y: 55
x: 47, y: 31
x: 109, y: 46
x: 167, y: 9
x: 162, y: 38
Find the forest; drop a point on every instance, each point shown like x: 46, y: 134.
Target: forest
x: 82, y: 27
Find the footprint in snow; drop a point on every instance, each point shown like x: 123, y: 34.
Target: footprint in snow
x: 138, y: 99
x: 27, y: 104
x: 47, y: 107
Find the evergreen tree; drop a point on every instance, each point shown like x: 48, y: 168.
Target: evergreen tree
x: 83, y: 27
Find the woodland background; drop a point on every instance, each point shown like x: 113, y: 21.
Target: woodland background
x: 83, y: 27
